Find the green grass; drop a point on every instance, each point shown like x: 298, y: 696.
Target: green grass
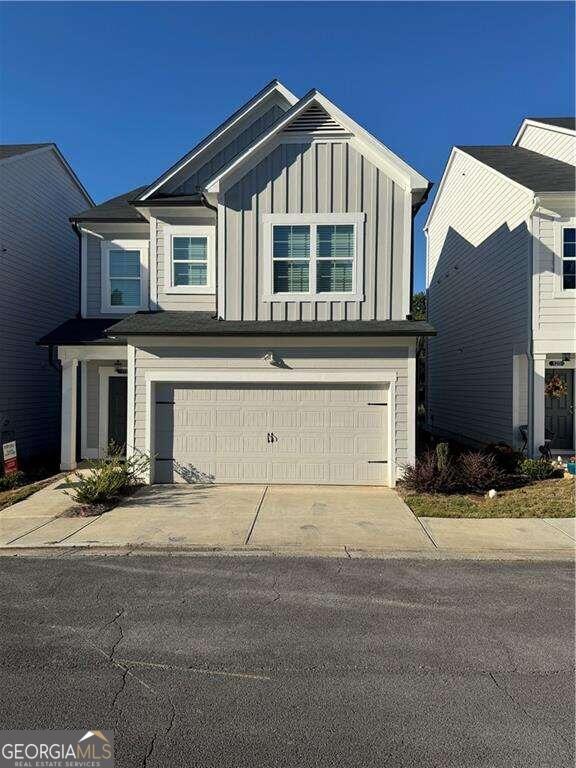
x: 545, y: 498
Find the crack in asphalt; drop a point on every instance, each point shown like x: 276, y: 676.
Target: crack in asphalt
x: 501, y: 687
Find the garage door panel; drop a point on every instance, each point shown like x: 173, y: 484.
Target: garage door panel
x: 322, y: 433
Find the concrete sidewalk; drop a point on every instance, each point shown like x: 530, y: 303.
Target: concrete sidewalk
x: 324, y: 520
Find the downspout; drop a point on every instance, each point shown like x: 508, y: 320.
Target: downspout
x: 76, y: 229
x: 215, y: 209
x: 530, y: 446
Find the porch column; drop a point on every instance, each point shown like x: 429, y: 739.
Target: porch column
x: 538, y: 404
x: 68, y: 424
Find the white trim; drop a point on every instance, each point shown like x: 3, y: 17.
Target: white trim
x: 153, y: 256
x: 268, y: 341
x: 92, y: 352
x: 273, y: 377
x: 189, y: 230
x: 559, y: 226
x: 220, y: 131
x: 104, y: 376
x: 384, y: 158
x: 84, y: 409
x: 313, y: 220
x: 411, y: 405
x: 69, y: 404
x: 142, y: 246
x: 536, y: 124
x: 84, y: 272
x: 131, y: 400
x: 519, y: 366
x: 537, y: 432
x: 406, y: 256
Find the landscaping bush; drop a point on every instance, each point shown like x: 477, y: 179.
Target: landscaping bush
x: 506, y: 457
x: 107, y: 480
x: 11, y: 481
x: 433, y: 472
x: 537, y: 469
x: 479, y: 471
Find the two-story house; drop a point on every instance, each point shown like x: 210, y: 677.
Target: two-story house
x: 245, y: 317
x: 39, y: 288
x: 501, y: 279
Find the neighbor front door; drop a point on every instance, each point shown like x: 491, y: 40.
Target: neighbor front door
x: 560, y: 412
x: 117, y: 411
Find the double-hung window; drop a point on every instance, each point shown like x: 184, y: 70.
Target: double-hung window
x: 568, y: 246
x: 123, y: 272
x: 313, y: 257
x: 189, y: 259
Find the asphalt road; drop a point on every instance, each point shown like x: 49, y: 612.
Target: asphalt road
x: 254, y: 662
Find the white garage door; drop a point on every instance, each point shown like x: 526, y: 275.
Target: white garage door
x: 271, y: 433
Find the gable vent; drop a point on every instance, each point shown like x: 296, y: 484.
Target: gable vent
x: 315, y: 120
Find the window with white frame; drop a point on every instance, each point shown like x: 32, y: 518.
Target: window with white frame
x: 124, y: 267
x: 313, y: 256
x: 189, y: 259
x: 568, y: 245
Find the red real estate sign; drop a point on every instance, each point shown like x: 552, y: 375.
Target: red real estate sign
x: 10, y: 458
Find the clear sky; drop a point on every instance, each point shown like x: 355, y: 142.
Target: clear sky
x: 125, y: 89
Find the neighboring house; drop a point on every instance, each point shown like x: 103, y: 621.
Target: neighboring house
x: 39, y: 287
x: 262, y: 287
x: 501, y: 277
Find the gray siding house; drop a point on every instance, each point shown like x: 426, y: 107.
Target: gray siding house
x: 246, y: 316
x: 39, y: 287
x: 501, y: 279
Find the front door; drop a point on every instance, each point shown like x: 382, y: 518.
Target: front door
x: 117, y: 411
x: 560, y: 412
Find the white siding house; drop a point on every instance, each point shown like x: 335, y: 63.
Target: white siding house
x: 245, y: 318
x: 501, y: 284
x: 39, y: 287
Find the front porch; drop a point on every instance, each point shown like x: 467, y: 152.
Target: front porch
x: 554, y: 404
x: 94, y: 409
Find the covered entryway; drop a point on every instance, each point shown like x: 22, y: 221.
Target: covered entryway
x: 559, y: 412
x: 272, y: 433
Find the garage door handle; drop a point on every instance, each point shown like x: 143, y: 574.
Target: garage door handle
x: 271, y: 437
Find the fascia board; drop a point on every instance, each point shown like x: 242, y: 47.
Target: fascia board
x: 218, y: 133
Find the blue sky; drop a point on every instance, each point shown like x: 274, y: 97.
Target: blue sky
x: 124, y: 89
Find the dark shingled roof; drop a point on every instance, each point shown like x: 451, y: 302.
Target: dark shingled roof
x: 121, y: 209
x: 79, y: 331
x: 115, y: 209
x: 561, y: 122
x: 531, y: 169
x: 9, y: 150
x: 178, y: 323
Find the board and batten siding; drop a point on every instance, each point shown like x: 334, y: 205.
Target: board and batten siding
x: 547, y: 141
x: 478, y: 301
x: 214, y: 160
x: 39, y: 289
x: 318, y: 177
x: 250, y: 358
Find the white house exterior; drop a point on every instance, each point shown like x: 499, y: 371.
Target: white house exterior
x: 245, y: 317
x: 39, y: 288
x: 501, y: 282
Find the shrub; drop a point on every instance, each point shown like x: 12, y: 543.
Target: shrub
x: 506, y: 457
x: 479, y: 471
x: 537, y: 469
x: 107, y: 479
x: 11, y: 481
x: 426, y: 476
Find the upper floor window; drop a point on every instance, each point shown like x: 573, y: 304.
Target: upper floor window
x: 569, y: 258
x: 124, y: 271
x: 189, y: 259
x: 313, y: 257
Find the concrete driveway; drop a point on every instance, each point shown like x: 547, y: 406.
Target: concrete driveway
x: 258, y: 516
